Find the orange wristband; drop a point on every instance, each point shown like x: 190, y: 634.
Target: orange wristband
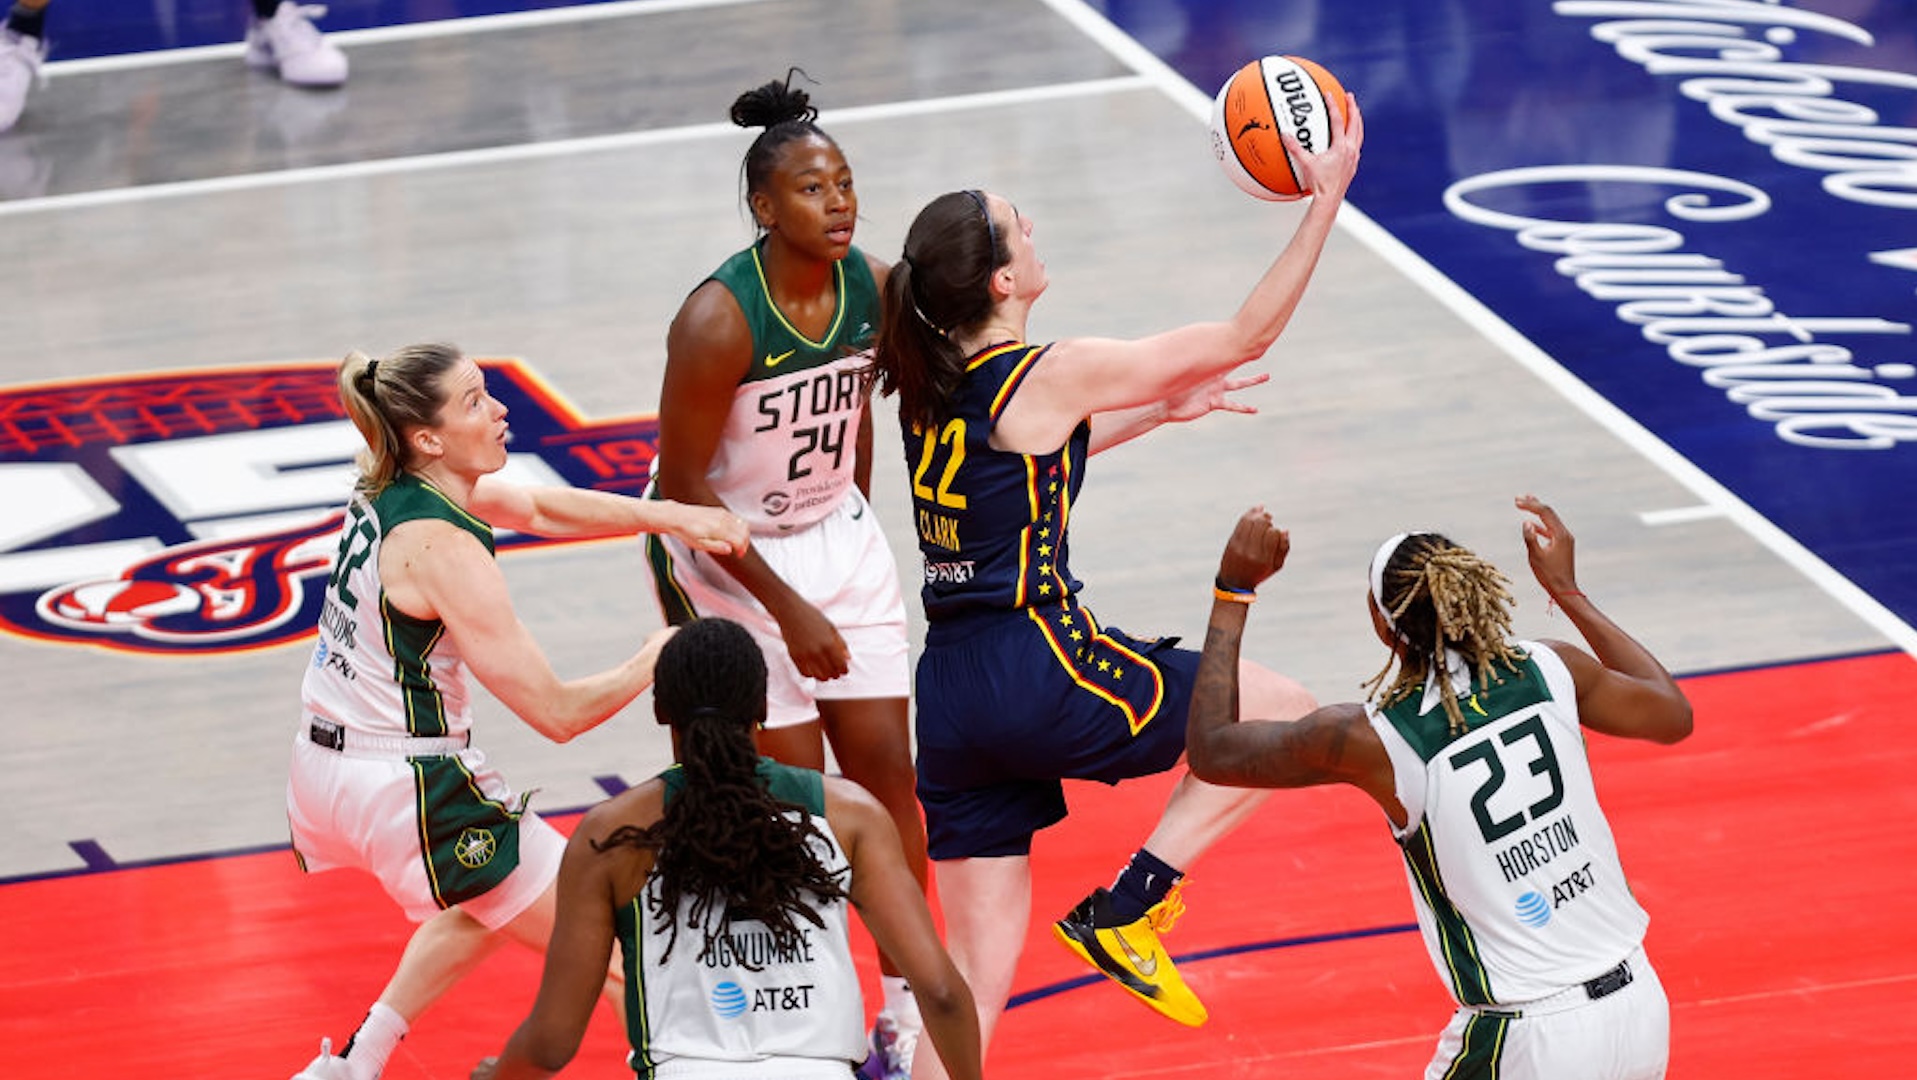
x: 1222, y: 591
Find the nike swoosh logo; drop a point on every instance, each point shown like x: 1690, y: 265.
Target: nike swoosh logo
x: 858, y: 514
x: 1146, y: 967
x: 772, y: 361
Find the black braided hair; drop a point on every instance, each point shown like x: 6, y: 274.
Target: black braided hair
x: 724, y: 841
x: 786, y: 113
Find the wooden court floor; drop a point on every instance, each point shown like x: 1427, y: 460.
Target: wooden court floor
x: 187, y: 217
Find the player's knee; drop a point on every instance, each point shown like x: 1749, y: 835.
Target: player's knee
x: 1264, y: 694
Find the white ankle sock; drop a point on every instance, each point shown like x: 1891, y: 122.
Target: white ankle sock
x: 378, y: 1036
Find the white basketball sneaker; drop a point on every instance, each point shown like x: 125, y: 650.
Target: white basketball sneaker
x: 326, y: 1066
x: 20, y: 58
x: 290, y: 44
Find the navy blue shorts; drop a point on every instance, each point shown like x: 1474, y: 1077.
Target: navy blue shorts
x: 1011, y: 707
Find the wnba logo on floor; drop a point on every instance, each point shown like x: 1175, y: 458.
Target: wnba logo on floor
x: 189, y: 512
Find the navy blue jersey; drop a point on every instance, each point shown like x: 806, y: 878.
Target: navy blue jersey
x: 991, y: 524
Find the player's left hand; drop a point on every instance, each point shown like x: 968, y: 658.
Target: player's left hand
x: 1212, y: 395
x: 1551, y: 548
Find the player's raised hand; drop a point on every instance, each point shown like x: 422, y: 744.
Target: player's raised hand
x: 1256, y: 550
x: 1327, y: 173
x: 1551, y: 548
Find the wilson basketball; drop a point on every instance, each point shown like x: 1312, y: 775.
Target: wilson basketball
x: 1266, y: 96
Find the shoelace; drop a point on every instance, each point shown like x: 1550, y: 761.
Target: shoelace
x: 1167, y: 912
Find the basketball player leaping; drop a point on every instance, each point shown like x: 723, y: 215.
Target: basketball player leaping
x: 1019, y: 685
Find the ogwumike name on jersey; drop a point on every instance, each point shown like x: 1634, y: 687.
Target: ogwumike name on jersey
x: 755, y: 950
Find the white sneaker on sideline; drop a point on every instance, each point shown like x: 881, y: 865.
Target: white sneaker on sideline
x: 290, y: 44
x: 20, y: 57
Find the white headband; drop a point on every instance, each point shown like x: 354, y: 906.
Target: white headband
x: 1378, y: 563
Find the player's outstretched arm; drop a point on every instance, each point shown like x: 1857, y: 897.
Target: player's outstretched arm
x: 582, y: 513
x: 1625, y: 690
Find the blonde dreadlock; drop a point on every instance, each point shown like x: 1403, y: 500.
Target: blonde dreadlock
x: 1439, y: 595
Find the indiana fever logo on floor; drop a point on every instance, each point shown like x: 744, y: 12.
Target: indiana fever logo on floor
x: 194, y: 511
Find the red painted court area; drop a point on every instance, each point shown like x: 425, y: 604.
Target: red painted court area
x: 1770, y: 849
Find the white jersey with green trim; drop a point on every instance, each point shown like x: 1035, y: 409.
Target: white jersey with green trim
x: 787, y: 454
x: 377, y: 670
x: 761, y: 1008
x: 1512, y: 864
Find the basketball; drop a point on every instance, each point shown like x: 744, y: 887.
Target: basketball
x: 1265, y: 96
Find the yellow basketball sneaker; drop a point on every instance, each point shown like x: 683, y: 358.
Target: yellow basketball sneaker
x: 1132, y: 954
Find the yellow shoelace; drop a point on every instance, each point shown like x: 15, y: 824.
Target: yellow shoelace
x: 1166, y: 912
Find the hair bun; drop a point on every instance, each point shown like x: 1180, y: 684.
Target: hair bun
x: 774, y: 103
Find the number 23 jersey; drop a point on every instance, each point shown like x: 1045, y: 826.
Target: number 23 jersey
x: 1512, y: 865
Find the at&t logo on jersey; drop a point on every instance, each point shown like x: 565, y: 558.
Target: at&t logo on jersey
x: 1533, y: 910
x: 196, y: 511
x: 729, y: 1000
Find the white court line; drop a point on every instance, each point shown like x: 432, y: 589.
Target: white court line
x: 1718, y: 499
x: 1798, y: 991
x: 1716, y: 496
x: 377, y: 35
x: 834, y: 118
x: 1680, y: 515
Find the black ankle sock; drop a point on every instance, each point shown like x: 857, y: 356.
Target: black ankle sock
x: 1141, y: 885
x: 28, y: 22
x: 264, y: 9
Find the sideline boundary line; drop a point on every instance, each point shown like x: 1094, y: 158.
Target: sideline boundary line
x: 590, y: 144
x: 379, y: 35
